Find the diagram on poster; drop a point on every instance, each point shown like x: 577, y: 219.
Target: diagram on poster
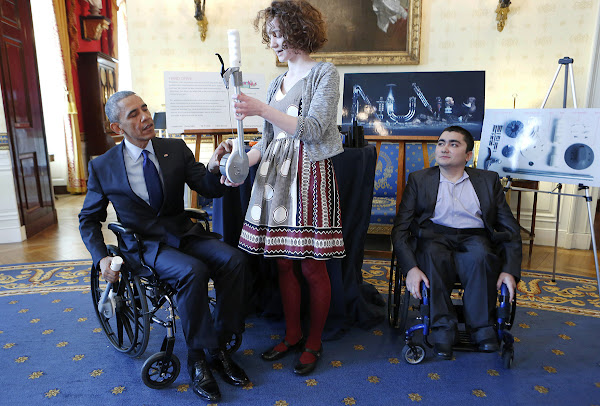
x: 553, y: 145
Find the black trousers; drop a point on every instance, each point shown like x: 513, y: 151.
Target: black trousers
x: 188, y: 269
x: 446, y: 254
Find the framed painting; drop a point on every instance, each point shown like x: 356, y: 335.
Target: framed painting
x: 370, y: 32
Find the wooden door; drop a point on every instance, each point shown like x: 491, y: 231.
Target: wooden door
x: 24, y: 120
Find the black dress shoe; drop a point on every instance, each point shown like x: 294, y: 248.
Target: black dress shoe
x: 203, y: 381
x: 305, y: 369
x: 489, y: 345
x: 272, y: 354
x: 443, y: 350
x: 231, y: 372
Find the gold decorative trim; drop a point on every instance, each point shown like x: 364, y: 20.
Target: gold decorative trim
x: 380, y: 229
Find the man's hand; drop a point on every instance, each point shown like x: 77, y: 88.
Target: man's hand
x: 225, y: 147
x: 510, y: 283
x: 108, y: 274
x: 413, y: 281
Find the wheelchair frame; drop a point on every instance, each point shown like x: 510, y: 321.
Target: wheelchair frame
x: 399, y: 304
x: 135, y: 301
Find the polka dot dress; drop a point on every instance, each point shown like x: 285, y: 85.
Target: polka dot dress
x: 294, y: 209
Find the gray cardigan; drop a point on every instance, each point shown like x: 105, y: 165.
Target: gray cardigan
x: 317, y: 126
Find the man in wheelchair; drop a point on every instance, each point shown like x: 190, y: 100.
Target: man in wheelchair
x: 454, y: 223
x: 144, y: 179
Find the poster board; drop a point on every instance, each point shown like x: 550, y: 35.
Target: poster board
x: 552, y: 145
x: 200, y: 100
x: 414, y: 103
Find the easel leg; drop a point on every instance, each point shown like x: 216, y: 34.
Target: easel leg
x: 589, y: 207
x: 559, y: 187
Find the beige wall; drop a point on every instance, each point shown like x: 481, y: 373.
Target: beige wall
x: 456, y: 35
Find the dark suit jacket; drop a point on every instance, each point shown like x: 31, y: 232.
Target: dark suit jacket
x: 107, y: 181
x: 418, y: 204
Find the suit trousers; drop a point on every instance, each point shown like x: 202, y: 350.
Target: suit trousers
x: 469, y: 258
x: 188, y: 269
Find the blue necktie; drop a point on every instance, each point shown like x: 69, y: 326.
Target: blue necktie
x: 155, y: 193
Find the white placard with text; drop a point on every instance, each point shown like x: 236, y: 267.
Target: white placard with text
x: 199, y: 100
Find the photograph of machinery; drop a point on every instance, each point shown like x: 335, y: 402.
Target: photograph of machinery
x: 414, y: 103
x: 554, y: 145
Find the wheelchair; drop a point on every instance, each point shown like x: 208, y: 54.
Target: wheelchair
x: 127, y: 308
x: 400, y: 302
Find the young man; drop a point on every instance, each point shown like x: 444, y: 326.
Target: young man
x: 454, y: 221
x: 144, y: 179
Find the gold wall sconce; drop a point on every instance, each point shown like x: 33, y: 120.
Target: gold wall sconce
x: 502, y: 13
x: 200, y: 17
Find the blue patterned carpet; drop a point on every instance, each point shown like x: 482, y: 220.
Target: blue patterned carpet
x: 53, y: 352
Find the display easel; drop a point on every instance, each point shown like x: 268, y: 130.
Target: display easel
x: 567, y: 63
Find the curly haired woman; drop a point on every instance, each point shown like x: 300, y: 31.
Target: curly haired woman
x: 294, y: 211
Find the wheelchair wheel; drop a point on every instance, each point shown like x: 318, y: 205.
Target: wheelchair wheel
x: 508, y: 356
x: 151, y: 370
x: 413, y: 354
x: 128, y: 330
x: 398, y: 300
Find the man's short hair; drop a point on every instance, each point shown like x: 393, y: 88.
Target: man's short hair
x: 466, y: 134
x: 112, y: 109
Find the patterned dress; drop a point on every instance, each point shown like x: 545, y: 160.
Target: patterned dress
x: 294, y: 209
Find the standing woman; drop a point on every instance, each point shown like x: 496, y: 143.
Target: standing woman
x: 294, y: 211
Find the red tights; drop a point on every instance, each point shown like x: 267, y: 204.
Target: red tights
x: 315, y: 273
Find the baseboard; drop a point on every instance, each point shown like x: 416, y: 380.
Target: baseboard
x: 12, y: 234
x: 61, y: 190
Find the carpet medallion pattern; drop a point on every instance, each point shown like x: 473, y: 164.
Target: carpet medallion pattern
x: 52, y: 351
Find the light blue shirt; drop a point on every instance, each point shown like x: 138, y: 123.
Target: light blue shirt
x: 134, y: 166
x: 457, y: 204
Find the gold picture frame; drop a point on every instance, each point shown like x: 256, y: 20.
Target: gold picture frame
x: 355, y: 37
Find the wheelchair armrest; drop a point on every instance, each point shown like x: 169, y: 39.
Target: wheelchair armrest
x: 118, y: 228
x: 198, y: 214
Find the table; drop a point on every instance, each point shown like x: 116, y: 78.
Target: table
x: 353, y: 303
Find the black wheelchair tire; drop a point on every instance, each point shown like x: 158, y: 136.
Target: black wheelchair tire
x: 151, y: 371
x: 413, y: 354
x: 508, y: 357
x: 398, y: 301
x: 128, y: 330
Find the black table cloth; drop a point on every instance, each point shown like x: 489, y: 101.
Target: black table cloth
x: 353, y: 303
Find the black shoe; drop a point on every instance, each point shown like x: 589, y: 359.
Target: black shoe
x: 305, y: 369
x: 489, y: 345
x: 203, y: 381
x: 272, y: 354
x: 443, y: 350
x: 231, y: 372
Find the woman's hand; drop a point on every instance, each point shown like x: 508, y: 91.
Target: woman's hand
x: 246, y: 106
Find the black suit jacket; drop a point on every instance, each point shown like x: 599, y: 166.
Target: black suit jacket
x: 107, y: 182
x: 418, y: 205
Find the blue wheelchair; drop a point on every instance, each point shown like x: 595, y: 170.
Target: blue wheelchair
x: 401, y: 303
x: 127, y: 308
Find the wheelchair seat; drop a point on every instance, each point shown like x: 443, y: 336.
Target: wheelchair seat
x: 127, y: 308
x: 402, y: 307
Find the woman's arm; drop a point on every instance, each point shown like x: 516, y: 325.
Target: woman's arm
x: 322, y: 112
